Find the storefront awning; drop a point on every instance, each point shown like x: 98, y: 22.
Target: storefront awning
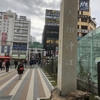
x: 18, y: 57
x: 4, y: 57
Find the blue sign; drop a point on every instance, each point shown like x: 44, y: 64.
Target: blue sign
x: 19, y: 47
x: 2, y: 49
x: 84, y: 5
x: 8, y: 49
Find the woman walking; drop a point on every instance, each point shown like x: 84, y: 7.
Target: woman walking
x: 20, y: 69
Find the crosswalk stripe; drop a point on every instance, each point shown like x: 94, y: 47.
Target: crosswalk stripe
x: 1, y: 87
x: 2, y: 71
x: 31, y: 88
x: 7, y: 72
x: 46, y: 90
x: 13, y: 92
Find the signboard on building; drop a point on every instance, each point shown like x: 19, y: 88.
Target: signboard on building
x: 83, y: 31
x: 19, y: 47
x: 52, y: 17
x: 6, y: 17
x: 83, y: 16
x: 23, y: 17
x: 4, y: 38
x: 84, y: 5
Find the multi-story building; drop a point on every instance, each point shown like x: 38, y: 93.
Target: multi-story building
x: 50, y: 34
x: 33, y: 39
x: 85, y: 22
x: 51, y: 29
x: 15, y: 34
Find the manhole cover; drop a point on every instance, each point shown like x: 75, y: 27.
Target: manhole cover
x: 6, y: 97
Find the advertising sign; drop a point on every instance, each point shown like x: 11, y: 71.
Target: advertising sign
x: 23, y: 17
x: 82, y: 31
x: 52, y: 17
x: 4, y: 38
x: 19, y: 47
x: 2, y: 49
x: 84, y: 5
x: 5, y: 17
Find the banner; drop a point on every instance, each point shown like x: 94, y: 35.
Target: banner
x: 84, y: 5
x: 4, y: 38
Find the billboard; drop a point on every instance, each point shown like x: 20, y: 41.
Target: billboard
x: 52, y: 17
x: 4, y: 38
x: 84, y: 5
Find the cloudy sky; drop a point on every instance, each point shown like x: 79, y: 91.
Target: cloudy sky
x: 35, y: 10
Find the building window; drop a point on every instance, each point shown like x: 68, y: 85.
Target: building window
x: 84, y: 27
x: 77, y: 26
x: 78, y: 12
x: 83, y: 20
x: 83, y: 34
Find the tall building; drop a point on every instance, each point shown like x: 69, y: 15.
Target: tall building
x: 50, y: 34
x: 51, y: 29
x: 30, y: 40
x: 15, y: 32
x: 85, y: 22
x: 33, y: 39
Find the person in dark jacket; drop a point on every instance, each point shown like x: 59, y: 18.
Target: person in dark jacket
x: 7, y: 65
x: 30, y: 63
x: 20, y: 69
x: 16, y: 63
x: 1, y: 64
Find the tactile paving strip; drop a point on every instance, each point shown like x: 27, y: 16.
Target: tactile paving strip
x: 6, y: 97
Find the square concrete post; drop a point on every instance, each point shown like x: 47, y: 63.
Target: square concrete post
x: 67, y: 59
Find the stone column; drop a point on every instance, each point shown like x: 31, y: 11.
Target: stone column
x: 67, y: 59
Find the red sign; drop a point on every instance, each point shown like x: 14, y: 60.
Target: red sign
x: 5, y: 17
x: 4, y: 38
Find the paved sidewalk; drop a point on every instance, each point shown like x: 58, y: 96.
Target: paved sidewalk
x: 33, y: 85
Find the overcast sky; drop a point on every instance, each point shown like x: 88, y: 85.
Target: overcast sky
x: 35, y: 10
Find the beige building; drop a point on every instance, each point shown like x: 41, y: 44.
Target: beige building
x: 85, y: 22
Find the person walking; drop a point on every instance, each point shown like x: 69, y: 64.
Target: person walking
x: 16, y: 63
x: 30, y: 63
x: 7, y: 65
x: 20, y: 69
x: 25, y: 62
x: 1, y: 64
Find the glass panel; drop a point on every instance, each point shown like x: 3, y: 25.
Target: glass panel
x: 89, y: 55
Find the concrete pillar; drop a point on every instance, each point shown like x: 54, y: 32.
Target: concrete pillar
x: 67, y: 58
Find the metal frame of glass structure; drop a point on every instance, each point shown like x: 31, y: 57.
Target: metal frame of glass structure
x: 89, y: 55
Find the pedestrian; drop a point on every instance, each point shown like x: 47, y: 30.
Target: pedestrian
x: 30, y: 63
x: 1, y: 64
x: 7, y: 65
x: 25, y: 62
x: 16, y: 63
x: 20, y: 69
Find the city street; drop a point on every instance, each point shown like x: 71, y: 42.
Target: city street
x: 33, y: 85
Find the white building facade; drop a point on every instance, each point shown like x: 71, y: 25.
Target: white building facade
x: 14, y: 35
x: 33, y: 39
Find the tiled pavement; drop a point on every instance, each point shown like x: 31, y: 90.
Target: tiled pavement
x: 33, y: 85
